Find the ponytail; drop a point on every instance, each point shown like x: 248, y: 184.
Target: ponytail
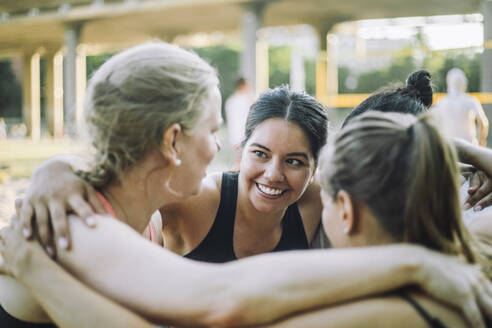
x: 432, y: 215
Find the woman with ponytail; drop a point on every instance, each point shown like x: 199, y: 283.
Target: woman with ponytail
x: 392, y: 178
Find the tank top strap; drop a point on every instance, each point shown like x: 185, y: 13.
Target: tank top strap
x: 226, y: 213
x: 110, y: 209
x: 106, y: 205
x: 217, y: 246
x: 432, y: 321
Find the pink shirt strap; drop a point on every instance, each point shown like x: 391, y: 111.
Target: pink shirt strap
x: 109, y: 208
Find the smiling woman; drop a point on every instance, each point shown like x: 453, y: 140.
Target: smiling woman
x: 269, y: 205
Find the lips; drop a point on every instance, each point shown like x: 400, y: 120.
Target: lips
x: 269, y: 191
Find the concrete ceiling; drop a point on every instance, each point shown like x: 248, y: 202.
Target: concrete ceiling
x: 114, y: 22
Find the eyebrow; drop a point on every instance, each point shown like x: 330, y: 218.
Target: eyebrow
x: 301, y: 154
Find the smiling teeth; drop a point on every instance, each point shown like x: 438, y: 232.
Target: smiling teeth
x: 269, y: 191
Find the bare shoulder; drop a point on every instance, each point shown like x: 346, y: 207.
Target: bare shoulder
x: 310, y: 207
x: 378, y: 312
x: 18, y: 301
x: 185, y: 224
x: 205, y: 200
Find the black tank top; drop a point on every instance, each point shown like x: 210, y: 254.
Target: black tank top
x: 6, y: 320
x: 433, y: 322
x: 218, y: 246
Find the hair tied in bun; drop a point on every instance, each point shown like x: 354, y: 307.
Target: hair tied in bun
x: 419, y: 86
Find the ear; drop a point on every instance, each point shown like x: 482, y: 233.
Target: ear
x: 169, y: 141
x: 346, y: 207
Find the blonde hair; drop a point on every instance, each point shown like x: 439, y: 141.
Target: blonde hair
x: 404, y: 170
x: 134, y: 97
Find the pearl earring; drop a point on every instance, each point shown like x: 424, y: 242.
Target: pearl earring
x: 346, y: 230
x: 177, y: 162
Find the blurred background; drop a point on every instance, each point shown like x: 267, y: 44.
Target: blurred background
x: 338, y: 51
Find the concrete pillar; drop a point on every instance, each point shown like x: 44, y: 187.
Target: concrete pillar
x: 251, y: 21
x: 262, y: 67
x: 71, y: 39
x: 54, y: 93
x: 486, y: 80
x: 31, y: 95
x: 326, y: 66
x: 297, y: 71
x: 80, y: 84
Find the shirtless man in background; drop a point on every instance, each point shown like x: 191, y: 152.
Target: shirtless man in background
x: 460, y: 113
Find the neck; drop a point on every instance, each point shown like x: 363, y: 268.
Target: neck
x: 134, y: 196
x: 129, y: 208
x: 258, y: 221
x: 369, y: 231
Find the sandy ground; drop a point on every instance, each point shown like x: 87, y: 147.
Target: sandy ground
x: 9, y: 191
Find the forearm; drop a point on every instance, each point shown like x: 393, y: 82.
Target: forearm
x: 157, y: 284
x: 68, y: 302
x: 477, y: 156
x: 273, y: 286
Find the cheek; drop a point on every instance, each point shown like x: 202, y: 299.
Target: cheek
x: 299, y: 179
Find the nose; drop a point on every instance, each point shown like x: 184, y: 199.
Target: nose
x: 274, y: 172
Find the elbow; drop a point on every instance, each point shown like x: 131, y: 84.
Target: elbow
x: 227, y: 313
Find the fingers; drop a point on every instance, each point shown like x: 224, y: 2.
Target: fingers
x: 44, y: 231
x: 59, y: 223
x: 482, y: 197
x: 485, y: 300
x: 472, y: 312
x: 26, y: 215
x: 82, y: 209
x: 483, y: 203
x: 475, y: 182
x: 95, y: 202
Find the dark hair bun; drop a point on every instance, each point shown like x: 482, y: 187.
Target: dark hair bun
x: 419, y: 85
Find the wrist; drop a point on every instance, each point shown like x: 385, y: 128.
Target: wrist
x: 23, y: 261
x: 415, y: 265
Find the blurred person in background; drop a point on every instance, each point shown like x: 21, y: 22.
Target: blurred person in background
x: 461, y: 115
x: 236, y: 110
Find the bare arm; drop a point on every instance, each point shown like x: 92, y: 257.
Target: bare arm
x: 115, y: 260
x: 385, y: 311
x: 66, y: 301
x: 54, y: 191
x: 483, y: 123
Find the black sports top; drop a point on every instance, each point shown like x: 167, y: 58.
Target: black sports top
x: 432, y: 321
x: 218, y: 245
x: 6, y: 320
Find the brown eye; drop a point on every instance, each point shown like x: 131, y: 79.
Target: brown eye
x: 259, y: 154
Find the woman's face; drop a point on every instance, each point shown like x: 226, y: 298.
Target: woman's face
x: 276, y: 165
x: 200, y: 144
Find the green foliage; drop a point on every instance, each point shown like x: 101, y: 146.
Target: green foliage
x: 10, y: 92
x: 370, y: 81
x: 279, y: 65
x: 469, y: 63
x: 93, y: 62
x: 438, y: 63
x: 225, y: 58
x: 310, y: 73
